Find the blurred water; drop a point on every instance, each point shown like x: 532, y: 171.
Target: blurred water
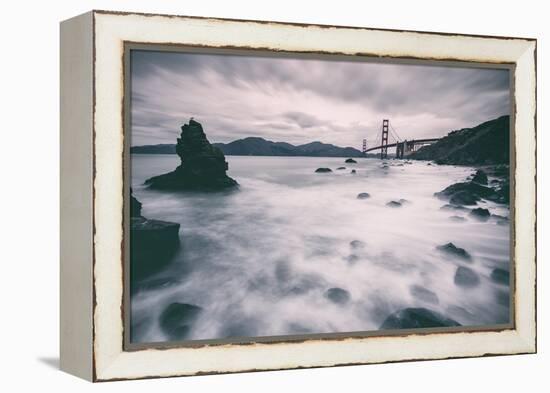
x: 259, y: 260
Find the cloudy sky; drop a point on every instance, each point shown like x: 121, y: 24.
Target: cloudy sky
x: 305, y: 100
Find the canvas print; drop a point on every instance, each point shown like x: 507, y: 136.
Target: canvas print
x: 281, y: 196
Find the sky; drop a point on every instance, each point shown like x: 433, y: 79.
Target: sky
x: 298, y: 100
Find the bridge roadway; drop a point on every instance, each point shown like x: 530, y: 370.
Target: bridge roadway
x: 413, y: 141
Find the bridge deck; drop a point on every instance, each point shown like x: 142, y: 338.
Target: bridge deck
x: 413, y: 141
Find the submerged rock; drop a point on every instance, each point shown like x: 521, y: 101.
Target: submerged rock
x: 453, y: 207
x: 323, y: 170
x: 337, y: 295
x: 152, y: 244
x: 457, y: 219
x: 363, y: 195
x: 413, y: 318
x: 353, y: 172
x: 394, y: 204
x: 480, y: 214
x: 177, y: 319
x: 480, y: 177
x: 203, y: 166
x: 351, y: 161
x: 500, y: 276
x: 341, y: 168
x: 357, y: 244
x: 455, y: 251
x: 466, y: 277
x: 424, y: 294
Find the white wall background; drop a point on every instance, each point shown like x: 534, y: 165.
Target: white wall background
x: 29, y: 198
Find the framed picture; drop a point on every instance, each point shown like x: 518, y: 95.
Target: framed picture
x: 246, y: 195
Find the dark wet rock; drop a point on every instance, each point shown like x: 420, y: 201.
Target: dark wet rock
x: 424, y: 294
x: 463, y: 198
x: 177, y: 320
x: 457, y: 219
x: 466, y: 193
x: 480, y: 214
x: 480, y: 177
x: 353, y: 171
x: 351, y: 161
x: 363, y: 195
x: 413, y: 318
x: 135, y: 206
x: 500, y: 276
x: 323, y: 170
x: 466, y: 277
x: 357, y: 244
x: 203, y: 166
x: 455, y: 251
x: 338, y: 295
x: 394, y: 204
x: 453, y: 207
x: 152, y: 244
x: 341, y: 168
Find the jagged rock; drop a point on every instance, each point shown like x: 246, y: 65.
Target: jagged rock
x: 466, y: 193
x: 500, y: 276
x: 466, y: 277
x: 455, y: 251
x: 351, y: 161
x: 413, y: 318
x: 177, y: 319
x: 394, y: 204
x: 424, y: 294
x: 480, y: 214
x: 323, y: 170
x: 203, y: 166
x: 363, y: 195
x: 480, y: 177
x: 152, y: 244
x: 463, y: 198
x: 337, y: 295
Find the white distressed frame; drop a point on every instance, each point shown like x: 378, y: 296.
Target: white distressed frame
x: 111, y: 30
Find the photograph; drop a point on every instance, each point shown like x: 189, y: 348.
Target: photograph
x: 287, y: 196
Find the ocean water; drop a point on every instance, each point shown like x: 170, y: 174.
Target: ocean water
x: 260, y: 260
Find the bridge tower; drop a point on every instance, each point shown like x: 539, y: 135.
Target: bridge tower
x: 364, y: 146
x: 385, y: 131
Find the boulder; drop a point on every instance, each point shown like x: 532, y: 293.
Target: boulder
x: 455, y: 251
x: 351, y: 161
x: 413, y: 318
x: 466, y: 193
x: 353, y: 172
x: 500, y: 276
x: 341, y: 168
x: 466, y: 277
x: 203, y: 166
x: 363, y: 195
x: 394, y: 204
x: 177, y: 320
x: 152, y: 245
x: 463, y: 198
x: 337, y: 295
x: 323, y: 170
x: 480, y: 214
x: 480, y: 177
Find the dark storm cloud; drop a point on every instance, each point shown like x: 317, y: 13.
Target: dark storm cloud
x: 302, y: 100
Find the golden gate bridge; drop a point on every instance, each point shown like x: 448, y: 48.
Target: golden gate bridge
x: 403, y: 147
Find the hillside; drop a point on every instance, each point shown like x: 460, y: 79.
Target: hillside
x: 485, y: 144
x: 254, y: 146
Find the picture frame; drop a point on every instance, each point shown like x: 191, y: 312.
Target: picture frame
x: 94, y: 270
